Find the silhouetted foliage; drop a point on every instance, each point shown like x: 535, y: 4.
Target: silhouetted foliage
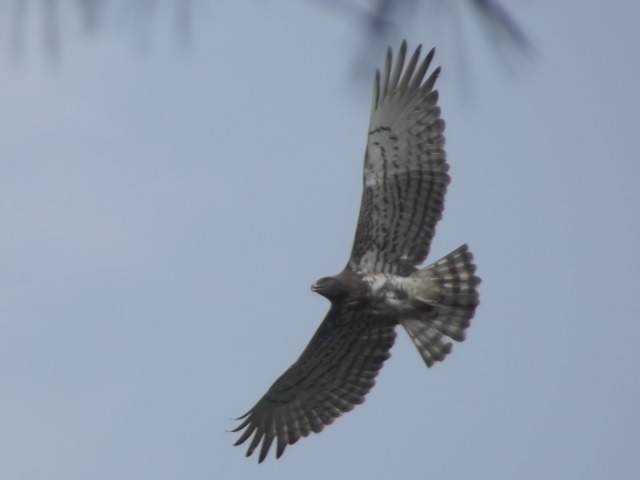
x: 379, y: 20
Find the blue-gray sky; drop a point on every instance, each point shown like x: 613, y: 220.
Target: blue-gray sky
x: 163, y: 213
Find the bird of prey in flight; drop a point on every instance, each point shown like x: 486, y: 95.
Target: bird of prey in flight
x: 382, y: 286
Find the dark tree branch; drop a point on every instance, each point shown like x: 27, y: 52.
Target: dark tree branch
x: 379, y: 20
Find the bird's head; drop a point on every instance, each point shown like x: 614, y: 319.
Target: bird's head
x: 329, y: 287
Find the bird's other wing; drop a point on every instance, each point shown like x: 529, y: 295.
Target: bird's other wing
x: 405, y: 169
x: 333, y: 374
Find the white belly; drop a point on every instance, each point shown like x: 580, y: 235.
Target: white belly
x: 391, y: 293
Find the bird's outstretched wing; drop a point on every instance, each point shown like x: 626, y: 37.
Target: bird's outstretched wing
x: 405, y: 170
x: 333, y: 374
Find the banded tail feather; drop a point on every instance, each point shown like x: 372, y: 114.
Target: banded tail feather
x: 448, y: 288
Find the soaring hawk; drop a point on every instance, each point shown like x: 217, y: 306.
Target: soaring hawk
x: 405, y: 180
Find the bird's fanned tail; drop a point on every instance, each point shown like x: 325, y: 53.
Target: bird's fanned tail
x: 448, y: 289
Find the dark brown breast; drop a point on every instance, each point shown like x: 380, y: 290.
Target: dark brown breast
x: 353, y: 288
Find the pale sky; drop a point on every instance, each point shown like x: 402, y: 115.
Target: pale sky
x: 164, y: 210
